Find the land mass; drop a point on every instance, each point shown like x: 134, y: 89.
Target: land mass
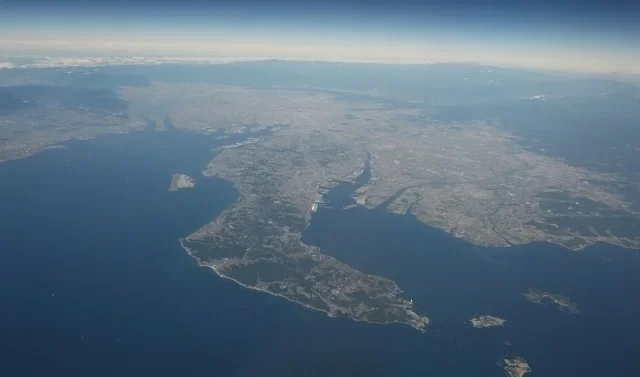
x: 514, y: 366
x: 482, y: 321
x: 181, y: 181
x: 470, y: 179
x: 561, y: 302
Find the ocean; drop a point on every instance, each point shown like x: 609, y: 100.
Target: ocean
x: 93, y: 281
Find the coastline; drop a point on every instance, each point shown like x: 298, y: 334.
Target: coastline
x: 200, y: 264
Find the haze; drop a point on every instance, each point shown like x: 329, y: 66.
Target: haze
x: 575, y: 36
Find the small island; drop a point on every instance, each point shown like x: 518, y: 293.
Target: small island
x: 181, y: 181
x: 483, y: 321
x: 514, y: 366
x: 561, y: 302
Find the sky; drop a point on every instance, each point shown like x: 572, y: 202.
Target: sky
x: 572, y: 35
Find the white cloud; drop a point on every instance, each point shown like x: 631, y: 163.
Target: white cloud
x: 18, y: 61
x: 539, y: 96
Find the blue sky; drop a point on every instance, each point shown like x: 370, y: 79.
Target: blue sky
x: 572, y: 35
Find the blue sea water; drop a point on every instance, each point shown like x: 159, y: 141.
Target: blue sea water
x: 93, y: 282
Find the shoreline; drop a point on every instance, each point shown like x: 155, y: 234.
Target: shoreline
x: 420, y: 329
